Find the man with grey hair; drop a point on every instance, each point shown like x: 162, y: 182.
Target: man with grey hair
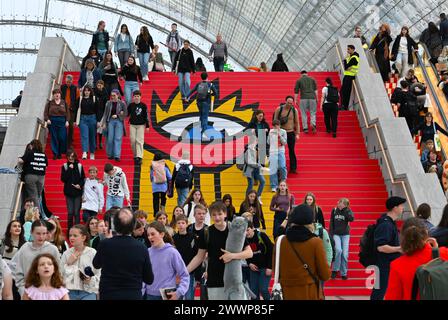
x: 218, y: 53
x: 124, y: 261
x: 183, y: 178
x: 70, y: 94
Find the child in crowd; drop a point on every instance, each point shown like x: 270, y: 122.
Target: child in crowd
x: 231, y: 212
x: 310, y: 199
x: 162, y: 217
x: 214, y: 243
x: 160, y: 177
x: 93, y: 197
x: 113, y: 121
x: 167, y: 265
x: 185, y: 244
x: 138, y: 120
x: 341, y: 216
x: 56, y: 236
x: 281, y: 203
x: 92, y: 228
x: 252, y: 204
x: 31, y: 215
x: 118, y: 189
x: 277, y: 159
x: 13, y: 240
x: 252, y: 167
x: 103, y: 233
x: 428, y: 146
x: 196, y: 228
x: 44, y: 281
x: 139, y: 232
x: 76, y: 266
x: 196, y: 197
x: 260, y: 265
x: 183, y: 177
x: 176, y: 212
x: 434, y: 164
x: 424, y: 213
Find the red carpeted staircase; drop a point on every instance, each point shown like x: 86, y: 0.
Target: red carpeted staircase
x: 329, y: 167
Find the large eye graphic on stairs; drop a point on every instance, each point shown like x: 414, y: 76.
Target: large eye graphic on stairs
x: 217, y: 127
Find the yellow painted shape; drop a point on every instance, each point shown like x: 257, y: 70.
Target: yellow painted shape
x: 227, y: 109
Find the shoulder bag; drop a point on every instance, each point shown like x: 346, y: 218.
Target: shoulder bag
x: 277, y: 292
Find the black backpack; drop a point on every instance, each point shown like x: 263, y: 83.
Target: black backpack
x: 332, y: 95
x: 367, y: 250
x: 183, y: 177
x: 203, y: 91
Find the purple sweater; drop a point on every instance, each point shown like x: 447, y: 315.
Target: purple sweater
x: 166, y: 264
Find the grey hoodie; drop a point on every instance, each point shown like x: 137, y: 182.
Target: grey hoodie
x: 23, y: 259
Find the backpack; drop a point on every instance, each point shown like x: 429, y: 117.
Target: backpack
x: 367, y: 251
x: 284, y: 120
x: 174, y: 42
x: 159, y: 174
x: 79, y: 168
x: 431, y: 279
x: 332, y: 95
x: 203, y: 91
x: 333, y: 245
x: 183, y: 177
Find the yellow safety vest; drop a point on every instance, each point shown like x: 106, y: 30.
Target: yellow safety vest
x: 353, y: 70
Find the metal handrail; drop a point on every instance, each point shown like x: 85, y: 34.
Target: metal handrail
x: 41, y: 124
x: 380, y: 140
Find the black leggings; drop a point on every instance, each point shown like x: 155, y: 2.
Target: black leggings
x: 159, y: 199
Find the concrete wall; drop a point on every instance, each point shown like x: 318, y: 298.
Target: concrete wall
x: 53, y: 58
x: 391, y: 134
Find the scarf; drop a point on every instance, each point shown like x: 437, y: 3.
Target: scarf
x: 299, y: 234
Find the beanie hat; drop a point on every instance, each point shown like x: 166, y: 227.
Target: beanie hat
x: 301, y: 215
x: 393, y: 202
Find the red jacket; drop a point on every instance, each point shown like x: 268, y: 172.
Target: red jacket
x: 402, y: 272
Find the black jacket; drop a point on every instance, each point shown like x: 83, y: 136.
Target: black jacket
x: 427, y: 132
x: 411, y: 45
x: 101, y: 97
x: 339, y: 221
x: 72, y: 177
x: 262, y: 247
x: 143, y: 46
x: 97, y: 59
x: 441, y: 235
x: 73, y: 106
x: 186, y: 61
x: 34, y: 163
x: 95, y: 39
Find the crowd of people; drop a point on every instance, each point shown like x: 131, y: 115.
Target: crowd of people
x: 138, y: 255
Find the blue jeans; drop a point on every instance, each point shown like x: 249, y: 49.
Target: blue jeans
x: 81, y: 295
x: 114, y: 138
x: 58, y: 133
x: 218, y: 63
x: 279, y: 217
x: 182, y: 194
x: 144, y: 59
x: 341, y: 244
x: 87, y: 125
x: 250, y: 182
x: 190, y: 293
x: 204, y: 110
x: 259, y: 283
x: 102, y: 52
x: 129, y: 88
x: 277, y: 162
x: 114, y: 201
x: 184, y: 83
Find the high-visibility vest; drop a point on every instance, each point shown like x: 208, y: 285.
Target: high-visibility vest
x: 353, y: 70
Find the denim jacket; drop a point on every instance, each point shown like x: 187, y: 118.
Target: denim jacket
x: 126, y: 45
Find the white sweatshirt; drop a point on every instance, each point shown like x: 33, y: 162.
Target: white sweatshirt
x: 71, y: 272
x: 117, y: 184
x: 93, y: 197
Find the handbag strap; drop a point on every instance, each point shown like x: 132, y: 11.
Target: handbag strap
x: 277, y: 259
x: 307, y: 268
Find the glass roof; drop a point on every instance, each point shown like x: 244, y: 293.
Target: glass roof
x: 255, y: 30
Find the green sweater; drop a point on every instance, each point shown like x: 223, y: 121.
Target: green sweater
x: 307, y: 87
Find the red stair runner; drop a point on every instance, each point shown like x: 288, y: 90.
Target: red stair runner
x: 330, y: 168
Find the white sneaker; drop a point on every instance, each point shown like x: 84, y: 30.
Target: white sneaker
x: 92, y: 156
x: 84, y: 155
x: 274, y: 190
x: 259, y: 200
x: 145, y: 78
